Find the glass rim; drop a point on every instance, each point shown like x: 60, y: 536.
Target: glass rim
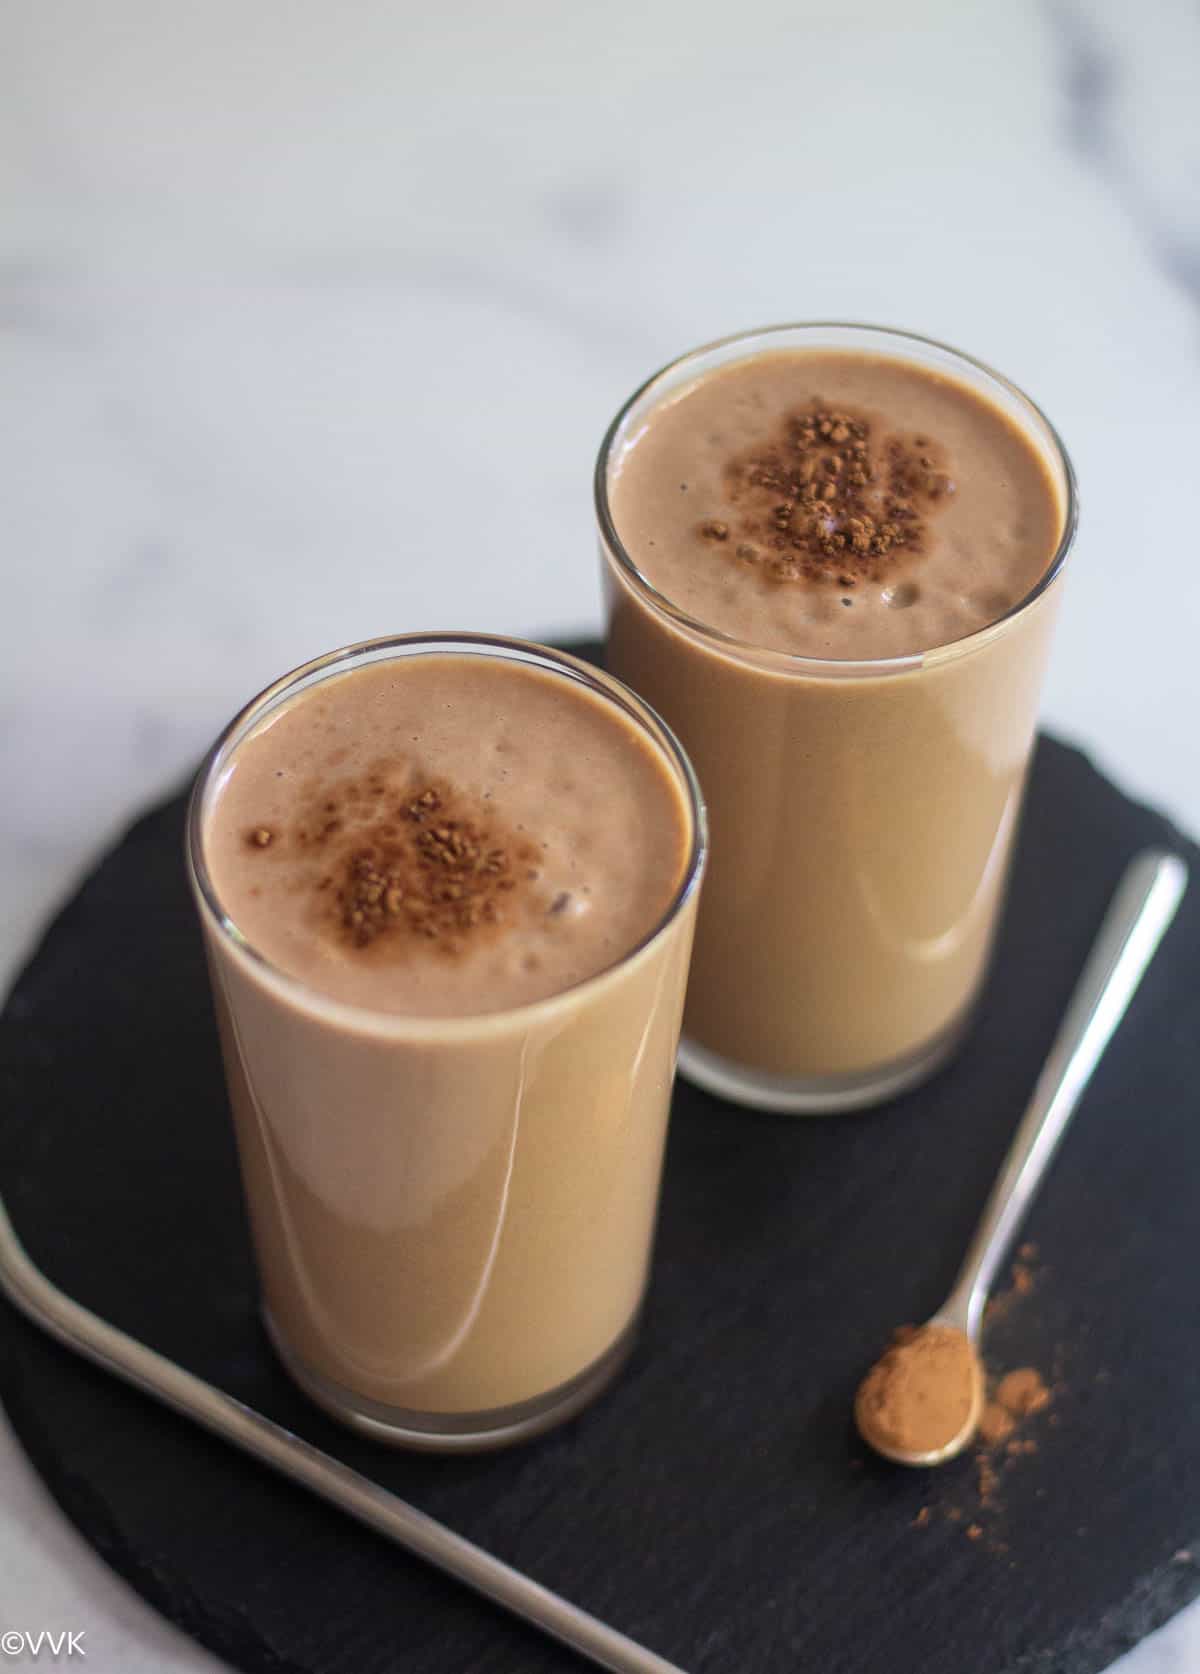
x: 796, y: 662
x: 561, y: 664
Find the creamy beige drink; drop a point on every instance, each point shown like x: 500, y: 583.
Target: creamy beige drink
x: 830, y: 558
x: 448, y: 889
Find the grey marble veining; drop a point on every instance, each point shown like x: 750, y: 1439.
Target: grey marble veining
x: 1130, y: 97
x: 311, y: 319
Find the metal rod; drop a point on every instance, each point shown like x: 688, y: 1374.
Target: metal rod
x: 72, y: 1324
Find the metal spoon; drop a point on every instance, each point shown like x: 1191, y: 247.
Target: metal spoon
x: 1143, y: 906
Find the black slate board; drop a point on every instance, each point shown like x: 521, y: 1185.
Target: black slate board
x: 715, y: 1503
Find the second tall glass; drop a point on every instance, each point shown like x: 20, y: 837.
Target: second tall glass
x: 862, y: 812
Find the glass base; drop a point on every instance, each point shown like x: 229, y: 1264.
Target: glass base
x: 818, y: 1095
x: 455, y: 1432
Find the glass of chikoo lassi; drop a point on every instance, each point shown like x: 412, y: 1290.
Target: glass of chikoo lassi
x: 833, y: 556
x: 447, y: 886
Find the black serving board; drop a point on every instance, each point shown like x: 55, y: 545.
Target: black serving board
x: 715, y: 1503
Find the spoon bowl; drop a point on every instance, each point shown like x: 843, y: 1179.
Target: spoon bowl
x: 959, y: 1430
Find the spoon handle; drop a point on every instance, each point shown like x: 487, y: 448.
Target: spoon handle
x: 1143, y: 906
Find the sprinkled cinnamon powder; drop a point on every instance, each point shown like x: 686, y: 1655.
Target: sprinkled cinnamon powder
x: 1022, y: 1392
x: 1015, y: 1400
x: 831, y: 499
x: 1022, y: 1280
x: 987, y: 1478
x: 1018, y: 1395
x: 391, y: 866
x: 996, y: 1423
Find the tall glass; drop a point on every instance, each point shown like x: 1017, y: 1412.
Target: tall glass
x: 452, y: 1217
x: 862, y: 813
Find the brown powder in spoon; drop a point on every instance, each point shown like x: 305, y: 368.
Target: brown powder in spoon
x: 920, y: 1394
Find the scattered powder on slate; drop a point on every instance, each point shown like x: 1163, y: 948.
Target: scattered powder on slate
x: 1017, y: 1400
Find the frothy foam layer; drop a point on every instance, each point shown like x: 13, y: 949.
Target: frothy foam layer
x: 446, y: 835
x: 838, y: 505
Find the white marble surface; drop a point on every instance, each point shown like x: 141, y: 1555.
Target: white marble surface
x: 311, y: 317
